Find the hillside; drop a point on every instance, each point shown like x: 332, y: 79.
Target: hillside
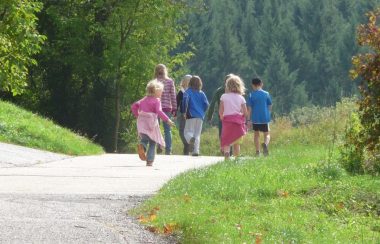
x: 21, y: 127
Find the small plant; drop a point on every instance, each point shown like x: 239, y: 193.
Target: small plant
x: 352, y: 153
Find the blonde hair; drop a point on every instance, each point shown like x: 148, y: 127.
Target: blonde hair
x: 153, y: 86
x: 235, y: 84
x: 161, y: 72
x: 185, y: 81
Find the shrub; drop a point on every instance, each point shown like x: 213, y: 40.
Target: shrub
x: 366, y: 142
x: 352, y: 153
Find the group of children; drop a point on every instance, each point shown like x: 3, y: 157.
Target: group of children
x: 189, y: 106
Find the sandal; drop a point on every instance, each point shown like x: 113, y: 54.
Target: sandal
x: 141, y: 152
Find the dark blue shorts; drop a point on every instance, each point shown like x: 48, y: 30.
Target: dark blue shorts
x: 260, y: 127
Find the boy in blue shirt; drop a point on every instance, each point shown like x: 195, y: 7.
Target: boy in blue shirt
x: 259, y: 107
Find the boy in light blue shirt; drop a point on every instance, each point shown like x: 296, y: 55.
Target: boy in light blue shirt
x: 259, y: 108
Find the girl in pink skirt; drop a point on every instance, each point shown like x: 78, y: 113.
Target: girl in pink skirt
x: 232, y: 112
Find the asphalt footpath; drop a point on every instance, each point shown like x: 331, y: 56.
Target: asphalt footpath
x: 47, y: 197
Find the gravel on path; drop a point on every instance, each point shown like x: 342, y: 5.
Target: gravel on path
x: 53, y: 198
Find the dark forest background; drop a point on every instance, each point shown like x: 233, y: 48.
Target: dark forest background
x: 98, y: 55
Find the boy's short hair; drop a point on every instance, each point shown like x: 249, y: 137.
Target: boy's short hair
x: 195, y: 83
x: 235, y: 84
x: 256, y: 81
x: 153, y: 86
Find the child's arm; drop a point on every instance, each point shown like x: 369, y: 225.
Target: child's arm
x: 211, y: 108
x: 221, y: 109
x: 162, y: 115
x: 135, y: 108
x: 205, y: 102
x: 249, y: 113
x: 244, y: 110
x: 173, y: 99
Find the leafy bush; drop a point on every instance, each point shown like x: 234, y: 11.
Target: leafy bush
x: 363, y: 144
x: 352, y: 152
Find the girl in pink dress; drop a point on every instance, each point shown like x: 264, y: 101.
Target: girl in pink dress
x: 147, y: 111
x: 232, y: 112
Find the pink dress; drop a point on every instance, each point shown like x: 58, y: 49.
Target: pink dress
x: 147, y: 111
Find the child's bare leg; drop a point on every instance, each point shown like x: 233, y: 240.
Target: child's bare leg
x: 256, y: 137
x: 226, y: 151
x: 266, y: 138
x: 236, y: 150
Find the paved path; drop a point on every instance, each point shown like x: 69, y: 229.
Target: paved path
x: 47, y: 197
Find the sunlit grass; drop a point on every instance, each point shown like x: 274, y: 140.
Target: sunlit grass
x: 299, y: 194
x: 18, y: 126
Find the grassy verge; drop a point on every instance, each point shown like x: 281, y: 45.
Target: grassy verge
x: 297, y: 194
x: 21, y: 127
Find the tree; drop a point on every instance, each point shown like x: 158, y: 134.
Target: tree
x: 138, y: 34
x: 97, y: 59
x: 19, y: 41
x: 280, y: 81
x: 367, y: 66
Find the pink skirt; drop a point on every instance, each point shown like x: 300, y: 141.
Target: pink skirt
x: 233, y: 128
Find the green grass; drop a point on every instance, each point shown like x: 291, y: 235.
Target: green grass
x: 299, y: 194
x: 18, y: 126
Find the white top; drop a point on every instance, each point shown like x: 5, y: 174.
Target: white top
x: 232, y: 103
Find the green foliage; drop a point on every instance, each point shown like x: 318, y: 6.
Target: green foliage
x: 97, y: 59
x: 352, y: 152
x: 365, y: 148
x: 137, y: 36
x: 19, y: 41
x: 301, y: 49
x: 24, y: 128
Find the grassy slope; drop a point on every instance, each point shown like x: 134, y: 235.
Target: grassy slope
x: 295, y: 195
x: 21, y: 127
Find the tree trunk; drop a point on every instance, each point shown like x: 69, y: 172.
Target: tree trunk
x: 117, y: 117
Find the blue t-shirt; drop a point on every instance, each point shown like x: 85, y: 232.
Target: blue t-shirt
x: 259, y: 101
x: 195, y: 103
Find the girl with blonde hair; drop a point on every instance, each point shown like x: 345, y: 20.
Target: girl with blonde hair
x: 168, y: 100
x: 232, y: 112
x: 147, y: 111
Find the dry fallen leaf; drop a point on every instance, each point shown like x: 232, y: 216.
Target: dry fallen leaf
x: 340, y: 205
x: 153, y: 229
x: 142, y: 219
x: 169, y: 228
x: 152, y: 217
x: 282, y: 193
x: 258, y: 239
x: 186, y: 198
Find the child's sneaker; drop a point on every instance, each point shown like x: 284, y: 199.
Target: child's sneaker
x: 191, y: 144
x: 257, y: 153
x: 149, y: 163
x: 265, y: 149
x: 141, y: 152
